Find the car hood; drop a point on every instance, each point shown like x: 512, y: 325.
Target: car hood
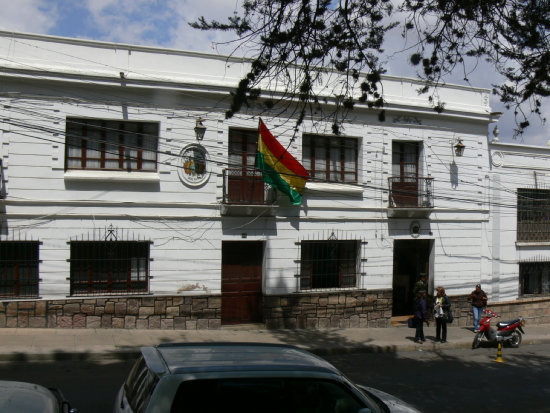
x: 20, y: 397
x: 394, y: 404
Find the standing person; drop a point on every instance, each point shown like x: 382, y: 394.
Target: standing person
x: 420, y: 285
x: 442, y: 305
x: 420, y: 314
x: 478, y: 298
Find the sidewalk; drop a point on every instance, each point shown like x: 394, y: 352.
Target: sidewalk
x: 95, y: 344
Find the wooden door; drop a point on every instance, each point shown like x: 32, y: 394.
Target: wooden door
x: 242, y: 282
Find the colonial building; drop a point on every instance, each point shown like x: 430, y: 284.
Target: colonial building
x: 520, y: 239
x: 129, y: 200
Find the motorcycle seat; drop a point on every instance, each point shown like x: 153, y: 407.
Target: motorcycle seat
x: 504, y: 324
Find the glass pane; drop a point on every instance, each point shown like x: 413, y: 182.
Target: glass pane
x: 320, y: 164
x: 335, y: 163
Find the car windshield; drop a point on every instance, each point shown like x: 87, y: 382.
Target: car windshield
x: 269, y: 395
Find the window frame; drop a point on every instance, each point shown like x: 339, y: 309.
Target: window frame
x: 344, y: 273
x: 311, y: 142
x: 533, y: 215
x: 542, y: 273
x: 112, y: 133
x: 30, y: 255
x: 87, y: 277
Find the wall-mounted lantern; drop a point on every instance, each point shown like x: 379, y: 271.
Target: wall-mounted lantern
x: 200, y: 129
x: 459, y: 147
x: 496, y: 132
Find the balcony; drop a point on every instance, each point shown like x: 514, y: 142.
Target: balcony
x: 410, y: 197
x: 246, y: 194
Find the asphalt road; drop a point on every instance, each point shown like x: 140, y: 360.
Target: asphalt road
x: 458, y: 380
x: 447, y: 381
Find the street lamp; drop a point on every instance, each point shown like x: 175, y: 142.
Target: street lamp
x: 459, y: 147
x: 200, y: 129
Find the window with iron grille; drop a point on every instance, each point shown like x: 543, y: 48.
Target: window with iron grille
x: 328, y: 264
x: 19, y: 268
x: 109, y: 267
x: 533, y: 215
x: 331, y: 159
x: 112, y: 145
x: 534, y: 277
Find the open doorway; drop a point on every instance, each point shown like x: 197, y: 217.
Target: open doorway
x: 411, y: 258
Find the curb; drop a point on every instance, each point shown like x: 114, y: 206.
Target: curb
x: 132, y: 353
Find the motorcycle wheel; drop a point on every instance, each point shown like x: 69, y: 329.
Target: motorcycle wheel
x: 515, y: 340
x: 477, y: 340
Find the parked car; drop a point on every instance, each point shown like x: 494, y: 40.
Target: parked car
x: 243, y: 377
x: 21, y: 397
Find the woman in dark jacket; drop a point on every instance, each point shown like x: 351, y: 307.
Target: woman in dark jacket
x: 442, y: 305
x: 420, y: 314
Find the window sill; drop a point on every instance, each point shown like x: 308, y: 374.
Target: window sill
x: 532, y: 243
x: 111, y: 176
x: 329, y: 290
x: 334, y: 187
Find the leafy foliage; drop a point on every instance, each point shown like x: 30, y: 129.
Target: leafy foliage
x: 302, y: 44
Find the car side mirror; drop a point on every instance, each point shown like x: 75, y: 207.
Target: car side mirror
x: 66, y: 407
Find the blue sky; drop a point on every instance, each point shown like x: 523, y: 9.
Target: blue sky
x: 165, y: 23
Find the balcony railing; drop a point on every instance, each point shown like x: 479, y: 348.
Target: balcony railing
x: 533, y: 231
x: 411, y: 192
x: 245, y: 186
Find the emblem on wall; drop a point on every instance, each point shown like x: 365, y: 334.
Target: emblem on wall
x: 193, y: 165
x: 497, y: 158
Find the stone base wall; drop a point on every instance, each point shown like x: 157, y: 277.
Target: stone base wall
x: 534, y: 310
x: 182, y: 313
x: 346, y: 309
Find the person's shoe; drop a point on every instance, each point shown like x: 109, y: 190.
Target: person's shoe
x: 476, y: 331
x: 437, y: 339
x: 443, y: 341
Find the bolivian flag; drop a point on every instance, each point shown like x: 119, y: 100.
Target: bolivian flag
x: 279, y: 168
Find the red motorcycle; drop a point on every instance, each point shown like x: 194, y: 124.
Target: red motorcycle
x: 508, y: 332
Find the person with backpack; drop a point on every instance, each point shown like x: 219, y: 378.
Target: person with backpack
x: 420, y: 316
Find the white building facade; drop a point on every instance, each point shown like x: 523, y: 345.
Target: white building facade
x: 115, y: 214
x: 520, y: 181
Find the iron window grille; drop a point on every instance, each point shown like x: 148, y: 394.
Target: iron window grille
x: 109, y: 267
x: 534, y: 278
x: 330, y: 158
x: 19, y: 261
x: 112, y: 145
x: 328, y: 264
x: 533, y: 214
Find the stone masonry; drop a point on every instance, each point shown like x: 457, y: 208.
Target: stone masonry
x: 182, y: 313
x: 346, y: 309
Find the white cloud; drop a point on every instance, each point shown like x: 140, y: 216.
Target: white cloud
x: 34, y: 16
x: 185, y: 37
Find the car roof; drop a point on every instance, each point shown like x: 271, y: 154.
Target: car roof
x: 176, y: 358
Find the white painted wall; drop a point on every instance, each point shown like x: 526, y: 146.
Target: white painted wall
x: 514, y: 166
x: 46, y: 79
